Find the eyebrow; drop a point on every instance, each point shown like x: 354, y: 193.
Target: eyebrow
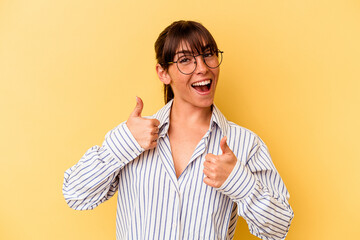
x: 184, y: 51
x: 203, y: 49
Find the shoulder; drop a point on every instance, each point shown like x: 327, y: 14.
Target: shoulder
x: 234, y: 131
x: 237, y: 129
x: 244, y: 139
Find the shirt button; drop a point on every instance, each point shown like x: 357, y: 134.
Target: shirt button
x: 174, y: 225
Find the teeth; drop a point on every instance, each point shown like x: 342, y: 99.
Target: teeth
x: 202, y: 83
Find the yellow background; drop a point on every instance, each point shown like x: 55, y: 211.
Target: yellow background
x: 70, y: 71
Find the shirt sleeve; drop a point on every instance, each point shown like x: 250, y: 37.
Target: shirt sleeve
x: 93, y: 179
x: 261, y: 195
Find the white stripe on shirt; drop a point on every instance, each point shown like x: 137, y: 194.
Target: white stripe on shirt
x: 154, y: 204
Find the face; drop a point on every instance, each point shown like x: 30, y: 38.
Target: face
x: 196, y: 89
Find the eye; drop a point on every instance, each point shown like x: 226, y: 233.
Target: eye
x: 208, y: 54
x: 184, y: 59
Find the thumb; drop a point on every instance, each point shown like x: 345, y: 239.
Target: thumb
x: 223, y: 145
x: 138, y: 108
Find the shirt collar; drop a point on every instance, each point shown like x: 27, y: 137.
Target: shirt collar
x: 217, y: 119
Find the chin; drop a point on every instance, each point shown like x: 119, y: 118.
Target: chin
x: 205, y: 103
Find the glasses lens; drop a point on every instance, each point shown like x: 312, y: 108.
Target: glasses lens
x: 186, y: 64
x: 213, y: 59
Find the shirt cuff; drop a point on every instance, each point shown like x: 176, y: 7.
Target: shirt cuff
x: 240, y: 183
x: 123, y: 144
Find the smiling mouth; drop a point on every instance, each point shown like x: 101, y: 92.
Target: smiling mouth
x: 203, y: 86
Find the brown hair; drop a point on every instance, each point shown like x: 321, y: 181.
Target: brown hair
x: 190, y: 32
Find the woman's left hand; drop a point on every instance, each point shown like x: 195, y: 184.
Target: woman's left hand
x: 217, y: 168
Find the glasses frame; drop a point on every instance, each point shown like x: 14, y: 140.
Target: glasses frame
x: 218, y: 51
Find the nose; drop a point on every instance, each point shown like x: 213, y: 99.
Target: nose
x: 200, y: 65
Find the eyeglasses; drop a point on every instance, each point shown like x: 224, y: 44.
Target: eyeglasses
x: 187, y: 62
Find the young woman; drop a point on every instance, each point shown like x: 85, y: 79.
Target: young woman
x: 186, y: 172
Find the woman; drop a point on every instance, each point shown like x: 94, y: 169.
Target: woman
x: 186, y: 172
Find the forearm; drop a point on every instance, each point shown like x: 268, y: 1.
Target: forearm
x: 93, y: 179
x: 262, y: 200
x: 89, y: 182
x: 268, y: 217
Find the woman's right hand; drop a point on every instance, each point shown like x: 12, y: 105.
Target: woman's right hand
x: 144, y: 130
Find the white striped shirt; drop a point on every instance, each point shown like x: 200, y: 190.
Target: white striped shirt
x: 154, y: 204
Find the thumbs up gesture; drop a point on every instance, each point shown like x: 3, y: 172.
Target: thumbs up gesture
x: 217, y: 168
x: 144, y: 130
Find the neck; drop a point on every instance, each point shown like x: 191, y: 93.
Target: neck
x: 190, y: 115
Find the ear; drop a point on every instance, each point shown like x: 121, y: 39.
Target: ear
x: 163, y: 74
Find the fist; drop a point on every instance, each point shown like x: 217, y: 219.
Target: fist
x: 144, y: 130
x: 217, y: 168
